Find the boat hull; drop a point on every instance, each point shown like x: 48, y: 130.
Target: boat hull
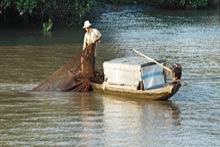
x: 163, y: 93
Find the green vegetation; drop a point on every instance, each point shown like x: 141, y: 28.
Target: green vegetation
x: 199, y: 3
x: 180, y: 3
x: 47, y: 26
x: 126, y: 1
x: 75, y: 11
x: 166, y: 3
x: 22, y: 6
x: 70, y: 11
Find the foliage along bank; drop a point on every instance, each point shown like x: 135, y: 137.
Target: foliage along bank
x: 39, y: 11
x: 73, y: 11
x: 173, y: 4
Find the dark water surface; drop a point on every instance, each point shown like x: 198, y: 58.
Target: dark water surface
x: 191, y: 118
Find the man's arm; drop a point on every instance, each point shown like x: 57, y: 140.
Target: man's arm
x: 98, y: 35
x: 84, y: 42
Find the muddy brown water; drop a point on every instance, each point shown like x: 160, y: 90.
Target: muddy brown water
x: 190, y: 118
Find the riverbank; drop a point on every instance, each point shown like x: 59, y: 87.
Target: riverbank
x: 74, y: 13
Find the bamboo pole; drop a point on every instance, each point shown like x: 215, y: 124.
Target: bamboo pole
x: 143, y: 55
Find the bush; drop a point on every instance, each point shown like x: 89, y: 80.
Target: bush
x: 41, y: 10
x: 179, y: 3
x: 199, y: 3
x: 125, y: 1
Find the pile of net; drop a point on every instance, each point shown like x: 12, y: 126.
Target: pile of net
x: 76, y: 75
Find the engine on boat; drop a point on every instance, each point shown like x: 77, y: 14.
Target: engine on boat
x: 177, y: 71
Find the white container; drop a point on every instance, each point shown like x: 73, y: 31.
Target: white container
x: 129, y: 72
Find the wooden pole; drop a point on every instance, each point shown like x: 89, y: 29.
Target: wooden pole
x: 168, y: 69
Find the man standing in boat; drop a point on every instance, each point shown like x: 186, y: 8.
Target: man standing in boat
x: 92, y: 35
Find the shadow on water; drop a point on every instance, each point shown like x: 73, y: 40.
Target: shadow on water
x: 78, y: 119
x: 57, y: 119
x: 35, y: 37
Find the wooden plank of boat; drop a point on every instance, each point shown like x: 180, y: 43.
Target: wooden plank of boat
x: 163, y: 93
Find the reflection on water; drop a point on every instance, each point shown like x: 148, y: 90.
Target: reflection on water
x: 191, y: 118
x: 82, y: 119
x: 139, y: 121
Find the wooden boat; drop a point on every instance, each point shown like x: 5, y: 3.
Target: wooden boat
x: 163, y: 93
x: 135, y: 77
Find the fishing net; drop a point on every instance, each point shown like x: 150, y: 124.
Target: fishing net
x: 75, y: 75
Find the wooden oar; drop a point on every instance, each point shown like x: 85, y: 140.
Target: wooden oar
x: 168, y: 69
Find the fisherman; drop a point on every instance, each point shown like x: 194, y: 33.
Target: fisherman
x: 91, y: 36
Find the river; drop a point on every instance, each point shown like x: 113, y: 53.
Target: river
x: 190, y: 118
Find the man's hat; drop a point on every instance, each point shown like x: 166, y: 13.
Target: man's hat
x: 86, y: 24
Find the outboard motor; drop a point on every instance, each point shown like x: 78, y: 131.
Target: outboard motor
x: 177, y: 71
